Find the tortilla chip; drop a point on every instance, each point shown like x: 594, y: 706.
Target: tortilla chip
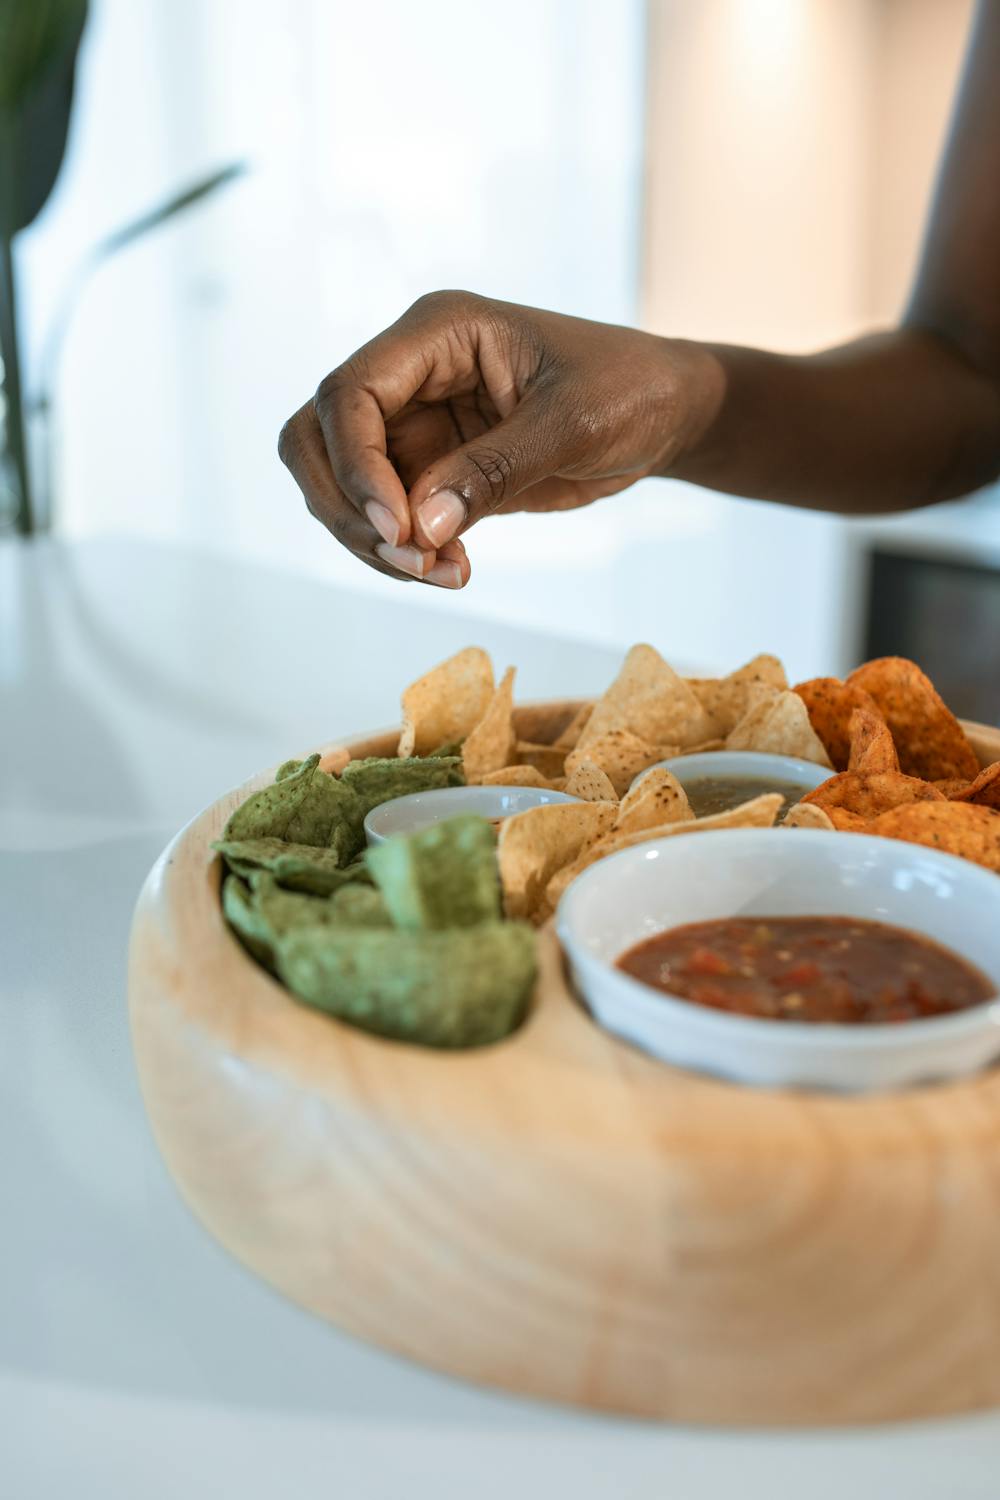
x: 305, y: 807
x: 845, y: 821
x: 621, y: 755
x: 650, y: 700
x: 779, y: 726
x: 459, y: 988
x: 729, y: 699
x: 447, y: 702
x: 984, y: 791
x: 534, y: 844
x: 868, y: 796
x: 872, y: 746
x: 929, y: 739
x: 571, y: 734
x: 590, y: 784
x: 760, y: 812
x: 655, y: 799
x: 830, y: 704
x: 545, y: 758
x: 490, y: 744
x: 297, y: 867
x: 703, y: 747
x: 953, y: 827
x: 808, y: 815
x: 516, y: 776
x: 444, y: 875
x: 377, y: 779
x: 334, y: 761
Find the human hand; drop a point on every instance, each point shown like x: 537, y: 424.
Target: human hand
x: 468, y: 407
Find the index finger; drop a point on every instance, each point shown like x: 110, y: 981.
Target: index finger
x: 353, y: 404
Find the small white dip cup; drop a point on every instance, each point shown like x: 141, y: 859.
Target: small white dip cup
x: 407, y: 814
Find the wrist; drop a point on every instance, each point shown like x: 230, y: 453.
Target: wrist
x: 695, y: 393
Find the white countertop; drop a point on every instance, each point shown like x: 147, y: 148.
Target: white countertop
x: 137, y: 683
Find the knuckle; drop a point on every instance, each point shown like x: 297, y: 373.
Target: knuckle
x: 496, y: 469
x: 448, y: 300
x: 289, y: 442
x: 330, y: 388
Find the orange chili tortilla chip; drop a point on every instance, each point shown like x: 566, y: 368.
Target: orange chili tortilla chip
x: 447, y: 702
x: 590, y: 783
x: 516, y: 776
x: 621, y: 755
x: 533, y: 845
x: 650, y: 700
x: 872, y: 746
x: 868, y: 796
x: 489, y: 745
x: 569, y: 737
x: 830, y: 704
x: 759, y: 812
x: 984, y: 791
x: 953, y: 827
x: 929, y: 739
x: 655, y: 799
x: 951, y: 787
x: 808, y: 815
x: 779, y: 726
x: 728, y: 699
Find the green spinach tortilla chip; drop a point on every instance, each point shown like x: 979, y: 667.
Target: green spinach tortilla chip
x: 262, y: 913
x: 443, y: 876
x: 306, y: 806
x: 376, y: 780
x: 298, y: 867
x: 450, y: 749
x: 443, y: 989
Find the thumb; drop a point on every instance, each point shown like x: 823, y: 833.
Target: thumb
x: 476, y: 479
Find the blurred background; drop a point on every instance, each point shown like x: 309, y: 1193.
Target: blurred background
x: 750, y: 170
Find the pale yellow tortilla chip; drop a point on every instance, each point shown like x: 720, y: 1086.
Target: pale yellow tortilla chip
x: 568, y: 739
x: 779, y: 726
x: 655, y: 799
x: 808, y: 815
x: 517, y: 776
x: 590, y: 783
x: 650, y: 700
x: 728, y: 699
x: 621, y: 755
x: 534, y: 844
x: 489, y: 746
x: 703, y: 747
x: 548, y: 759
x: 446, y: 703
x: 759, y: 812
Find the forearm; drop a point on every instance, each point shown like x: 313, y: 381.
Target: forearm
x: 891, y: 422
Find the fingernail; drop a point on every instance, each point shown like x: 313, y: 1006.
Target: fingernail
x: 441, y: 516
x: 406, y: 559
x: 447, y: 575
x: 384, y: 521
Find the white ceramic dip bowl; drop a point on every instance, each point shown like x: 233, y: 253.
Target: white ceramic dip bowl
x: 630, y: 896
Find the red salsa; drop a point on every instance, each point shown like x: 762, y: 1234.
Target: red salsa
x: 808, y: 969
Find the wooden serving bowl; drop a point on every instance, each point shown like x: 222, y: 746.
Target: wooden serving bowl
x: 559, y: 1214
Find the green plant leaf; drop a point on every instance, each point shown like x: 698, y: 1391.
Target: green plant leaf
x: 176, y: 204
x: 39, y: 41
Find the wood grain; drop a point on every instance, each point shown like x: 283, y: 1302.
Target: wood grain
x: 561, y: 1215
